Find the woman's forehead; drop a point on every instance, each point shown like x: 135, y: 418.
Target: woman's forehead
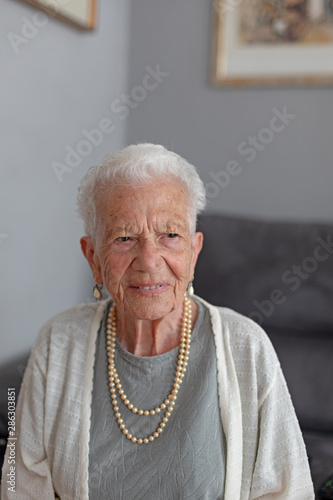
x: 162, y: 200
x: 167, y: 187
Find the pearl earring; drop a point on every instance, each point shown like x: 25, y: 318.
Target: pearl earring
x: 190, y: 288
x: 97, y: 291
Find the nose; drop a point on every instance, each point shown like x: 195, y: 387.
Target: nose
x: 148, y: 258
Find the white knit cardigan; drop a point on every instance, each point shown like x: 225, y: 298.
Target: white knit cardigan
x: 265, y: 453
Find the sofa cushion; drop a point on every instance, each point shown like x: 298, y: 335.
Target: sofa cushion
x: 319, y: 448
x: 278, y: 273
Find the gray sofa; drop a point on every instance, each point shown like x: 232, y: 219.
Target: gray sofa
x: 281, y: 275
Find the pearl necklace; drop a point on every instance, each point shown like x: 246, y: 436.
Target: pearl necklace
x: 115, y: 385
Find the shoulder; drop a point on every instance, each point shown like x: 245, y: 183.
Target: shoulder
x: 239, y: 332
x: 70, y: 327
x: 241, y: 326
x: 78, y: 315
x: 244, y: 350
x: 238, y: 323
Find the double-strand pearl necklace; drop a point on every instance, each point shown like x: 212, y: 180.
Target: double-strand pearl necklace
x: 115, y: 384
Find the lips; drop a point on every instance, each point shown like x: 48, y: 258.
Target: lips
x: 152, y: 287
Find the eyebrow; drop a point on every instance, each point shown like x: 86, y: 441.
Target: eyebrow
x: 109, y: 233
x: 169, y: 226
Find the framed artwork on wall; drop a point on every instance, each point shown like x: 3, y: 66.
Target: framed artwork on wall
x: 272, y: 42
x: 79, y: 13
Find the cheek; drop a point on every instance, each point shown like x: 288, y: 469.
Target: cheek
x: 182, y: 265
x: 114, y: 267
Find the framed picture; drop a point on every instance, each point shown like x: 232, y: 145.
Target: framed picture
x: 79, y: 13
x: 272, y: 42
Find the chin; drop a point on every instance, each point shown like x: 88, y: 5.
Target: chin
x: 150, y: 313
x: 150, y: 308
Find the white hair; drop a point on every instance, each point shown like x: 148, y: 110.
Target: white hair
x: 134, y: 166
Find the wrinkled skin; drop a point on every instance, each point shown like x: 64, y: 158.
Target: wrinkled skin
x: 143, y: 239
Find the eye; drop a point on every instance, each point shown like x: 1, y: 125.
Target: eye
x: 172, y: 235
x: 123, y: 239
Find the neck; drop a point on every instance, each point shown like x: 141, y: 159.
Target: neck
x: 150, y: 338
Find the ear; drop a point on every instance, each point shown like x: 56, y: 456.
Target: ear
x: 197, y: 243
x: 88, y: 249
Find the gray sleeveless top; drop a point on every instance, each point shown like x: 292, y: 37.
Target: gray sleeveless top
x: 187, y: 461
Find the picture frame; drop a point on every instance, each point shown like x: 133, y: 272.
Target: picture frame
x: 263, y: 43
x: 82, y: 14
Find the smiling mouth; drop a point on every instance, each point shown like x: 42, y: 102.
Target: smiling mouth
x: 152, y: 287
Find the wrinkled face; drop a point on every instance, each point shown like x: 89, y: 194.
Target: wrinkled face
x: 144, y: 252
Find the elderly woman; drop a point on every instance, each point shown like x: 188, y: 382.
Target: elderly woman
x: 152, y: 393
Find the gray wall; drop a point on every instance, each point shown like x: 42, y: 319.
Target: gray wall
x: 56, y: 84
x: 292, y: 177
x: 63, y: 81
